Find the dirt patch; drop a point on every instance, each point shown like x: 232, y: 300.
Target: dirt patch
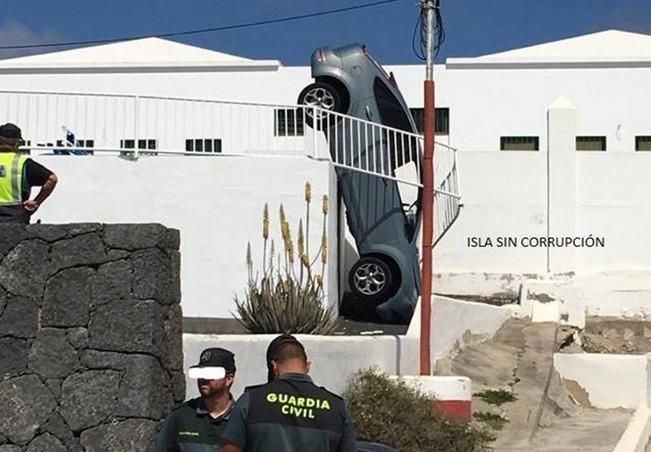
x: 609, y: 335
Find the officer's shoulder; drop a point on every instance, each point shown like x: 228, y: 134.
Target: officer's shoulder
x: 188, y: 404
x: 254, y: 387
x: 335, y: 395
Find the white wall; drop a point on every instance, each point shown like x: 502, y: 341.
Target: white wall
x: 334, y: 359
x: 504, y: 193
x: 216, y: 203
x: 611, y: 381
x: 452, y: 319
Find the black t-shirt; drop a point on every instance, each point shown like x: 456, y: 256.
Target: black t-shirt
x: 35, y: 176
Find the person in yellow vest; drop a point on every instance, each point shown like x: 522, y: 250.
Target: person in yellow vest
x: 18, y: 174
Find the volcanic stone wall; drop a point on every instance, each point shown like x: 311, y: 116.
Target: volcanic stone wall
x: 90, y: 336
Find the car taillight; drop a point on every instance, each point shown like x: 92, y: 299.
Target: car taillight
x: 319, y: 56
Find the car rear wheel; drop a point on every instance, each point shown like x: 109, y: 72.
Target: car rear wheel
x: 325, y: 97
x: 372, y: 278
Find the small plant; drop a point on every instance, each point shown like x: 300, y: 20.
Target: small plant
x: 496, y: 396
x: 494, y: 421
x: 390, y: 412
x: 289, y: 296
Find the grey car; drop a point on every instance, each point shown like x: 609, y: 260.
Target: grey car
x: 386, y: 278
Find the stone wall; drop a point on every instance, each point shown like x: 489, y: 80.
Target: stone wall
x: 90, y: 336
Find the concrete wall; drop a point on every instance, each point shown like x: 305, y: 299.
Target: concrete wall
x: 215, y: 202
x: 611, y: 381
x: 334, y: 359
x: 505, y: 194
x: 455, y: 323
x: 90, y: 336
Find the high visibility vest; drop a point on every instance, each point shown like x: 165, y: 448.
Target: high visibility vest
x: 11, y: 177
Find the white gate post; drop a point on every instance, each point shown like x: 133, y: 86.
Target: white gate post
x: 561, y: 183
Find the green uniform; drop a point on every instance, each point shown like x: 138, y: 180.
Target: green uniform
x: 291, y: 414
x: 190, y: 428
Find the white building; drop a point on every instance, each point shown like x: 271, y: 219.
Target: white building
x: 587, y: 93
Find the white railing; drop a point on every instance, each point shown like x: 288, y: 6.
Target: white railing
x: 135, y: 126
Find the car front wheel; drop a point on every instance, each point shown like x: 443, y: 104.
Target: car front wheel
x: 326, y: 98
x: 372, y: 278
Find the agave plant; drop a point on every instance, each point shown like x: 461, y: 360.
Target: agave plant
x: 288, y: 299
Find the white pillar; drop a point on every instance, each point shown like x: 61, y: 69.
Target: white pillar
x: 561, y: 182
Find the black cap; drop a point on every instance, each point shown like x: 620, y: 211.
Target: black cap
x: 10, y: 130
x: 217, y: 357
x: 273, y: 347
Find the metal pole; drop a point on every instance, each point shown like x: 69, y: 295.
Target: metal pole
x: 428, y: 198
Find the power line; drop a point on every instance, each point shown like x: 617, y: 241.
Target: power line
x: 204, y: 30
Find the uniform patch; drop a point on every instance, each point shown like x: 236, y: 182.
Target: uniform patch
x: 298, y: 406
x: 188, y: 433
x: 205, y: 356
x: 3, y: 171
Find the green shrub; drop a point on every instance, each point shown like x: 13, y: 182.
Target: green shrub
x: 493, y: 420
x: 496, y: 396
x: 390, y: 412
x: 291, y: 299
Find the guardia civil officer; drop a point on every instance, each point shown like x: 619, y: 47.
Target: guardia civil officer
x: 18, y: 174
x: 197, y: 425
x: 290, y: 413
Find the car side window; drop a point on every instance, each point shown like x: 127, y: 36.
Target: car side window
x: 391, y: 112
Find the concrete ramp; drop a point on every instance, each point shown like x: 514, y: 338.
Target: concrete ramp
x: 519, y: 358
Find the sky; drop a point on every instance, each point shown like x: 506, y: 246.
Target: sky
x: 473, y: 27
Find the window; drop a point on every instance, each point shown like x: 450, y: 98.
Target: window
x: 590, y: 143
x: 643, y: 143
x: 519, y: 143
x: 203, y: 145
x: 143, y: 143
x: 441, y: 120
x: 288, y: 122
x: 67, y: 148
x: 78, y: 143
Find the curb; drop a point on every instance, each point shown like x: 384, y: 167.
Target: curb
x: 636, y: 435
x: 453, y: 394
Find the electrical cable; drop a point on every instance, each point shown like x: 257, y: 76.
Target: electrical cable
x: 203, y: 30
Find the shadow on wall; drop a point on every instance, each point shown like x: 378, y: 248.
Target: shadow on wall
x: 90, y: 335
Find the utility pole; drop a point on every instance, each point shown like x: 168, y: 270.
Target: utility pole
x: 427, y: 7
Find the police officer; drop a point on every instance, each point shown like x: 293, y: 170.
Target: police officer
x: 197, y: 425
x: 18, y: 174
x: 290, y: 413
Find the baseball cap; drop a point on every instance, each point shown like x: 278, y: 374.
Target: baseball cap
x: 214, y: 364
x: 10, y: 130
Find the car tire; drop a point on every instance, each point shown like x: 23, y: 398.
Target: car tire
x: 321, y: 95
x: 373, y: 279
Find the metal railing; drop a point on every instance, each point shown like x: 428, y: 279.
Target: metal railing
x: 136, y: 126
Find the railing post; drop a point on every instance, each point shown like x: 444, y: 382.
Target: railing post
x: 314, y: 132
x: 136, y: 118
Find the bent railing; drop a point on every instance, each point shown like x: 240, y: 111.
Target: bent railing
x: 134, y: 126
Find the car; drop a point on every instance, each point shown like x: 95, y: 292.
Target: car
x: 348, y: 81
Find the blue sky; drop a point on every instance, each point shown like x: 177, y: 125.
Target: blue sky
x: 473, y: 27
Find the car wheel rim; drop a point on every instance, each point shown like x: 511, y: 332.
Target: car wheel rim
x: 370, y: 279
x: 319, y: 97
